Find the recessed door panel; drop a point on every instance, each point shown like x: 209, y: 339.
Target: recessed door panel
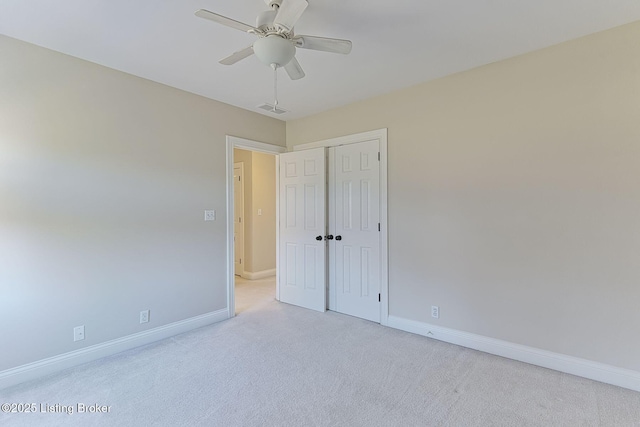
x: 365, y: 205
x: 310, y: 206
x: 311, y: 262
x: 290, y: 206
x: 291, y: 250
x: 347, y: 200
x: 365, y: 272
x: 344, y: 269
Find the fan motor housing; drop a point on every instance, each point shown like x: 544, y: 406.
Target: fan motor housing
x: 265, y: 19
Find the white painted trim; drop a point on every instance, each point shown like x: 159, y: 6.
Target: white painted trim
x: 332, y: 299
x: 277, y: 160
x: 571, y: 365
x: 347, y: 139
x: 384, y: 238
x: 244, y: 144
x: 54, y: 364
x: 244, y: 241
x: 259, y: 274
x: 381, y: 136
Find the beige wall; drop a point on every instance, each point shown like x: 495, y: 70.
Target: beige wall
x: 104, y: 178
x: 260, y: 193
x: 264, y: 226
x: 514, y: 196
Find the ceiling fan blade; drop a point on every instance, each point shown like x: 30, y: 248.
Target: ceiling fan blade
x: 294, y: 69
x: 203, y: 13
x: 237, y: 56
x: 288, y: 14
x: 323, y: 43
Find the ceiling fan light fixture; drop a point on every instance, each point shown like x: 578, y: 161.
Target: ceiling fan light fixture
x: 274, y: 49
x: 276, y: 44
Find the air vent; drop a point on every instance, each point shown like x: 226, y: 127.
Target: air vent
x: 269, y: 108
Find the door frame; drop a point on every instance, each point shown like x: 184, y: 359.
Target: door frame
x: 262, y: 147
x: 239, y: 165
x: 381, y: 136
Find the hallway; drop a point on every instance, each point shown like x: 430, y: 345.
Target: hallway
x: 251, y: 294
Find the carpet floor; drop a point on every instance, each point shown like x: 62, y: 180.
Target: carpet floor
x: 280, y: 365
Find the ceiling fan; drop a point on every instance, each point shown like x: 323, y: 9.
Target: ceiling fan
x: 276, y: 44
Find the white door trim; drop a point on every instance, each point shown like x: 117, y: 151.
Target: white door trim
x: 239, y: 165
x: 381, y: 136
x: 243, y: 144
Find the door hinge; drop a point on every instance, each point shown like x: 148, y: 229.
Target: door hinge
x: 240, y: 261
x: 378, y: 297
x: 378, y: 226
x: 240, y: 220
x: 378, y: 156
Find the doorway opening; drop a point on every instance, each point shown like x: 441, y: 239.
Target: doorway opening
x: 254, y: 221
x: 251, y: 223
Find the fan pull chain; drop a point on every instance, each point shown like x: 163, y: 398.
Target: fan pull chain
x: 275, y: 86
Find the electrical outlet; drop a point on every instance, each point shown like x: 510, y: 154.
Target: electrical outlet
x: 144, y: 316
x: 435, y: 311
x: 78, y: 333
x: 210, y: 215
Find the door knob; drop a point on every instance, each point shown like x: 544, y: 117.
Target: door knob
x: 318, y: 237
x: 329, y: 237
x: 338, y: 237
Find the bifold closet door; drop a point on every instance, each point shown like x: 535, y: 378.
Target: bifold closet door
x: 302, y: 270
x: 354, y: 196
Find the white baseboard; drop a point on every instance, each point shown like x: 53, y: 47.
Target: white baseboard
x: 572, y: 365
x: 54, y: 364
x: 258, y: 274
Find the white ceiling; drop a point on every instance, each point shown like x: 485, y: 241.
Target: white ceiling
x: 395, y: 43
